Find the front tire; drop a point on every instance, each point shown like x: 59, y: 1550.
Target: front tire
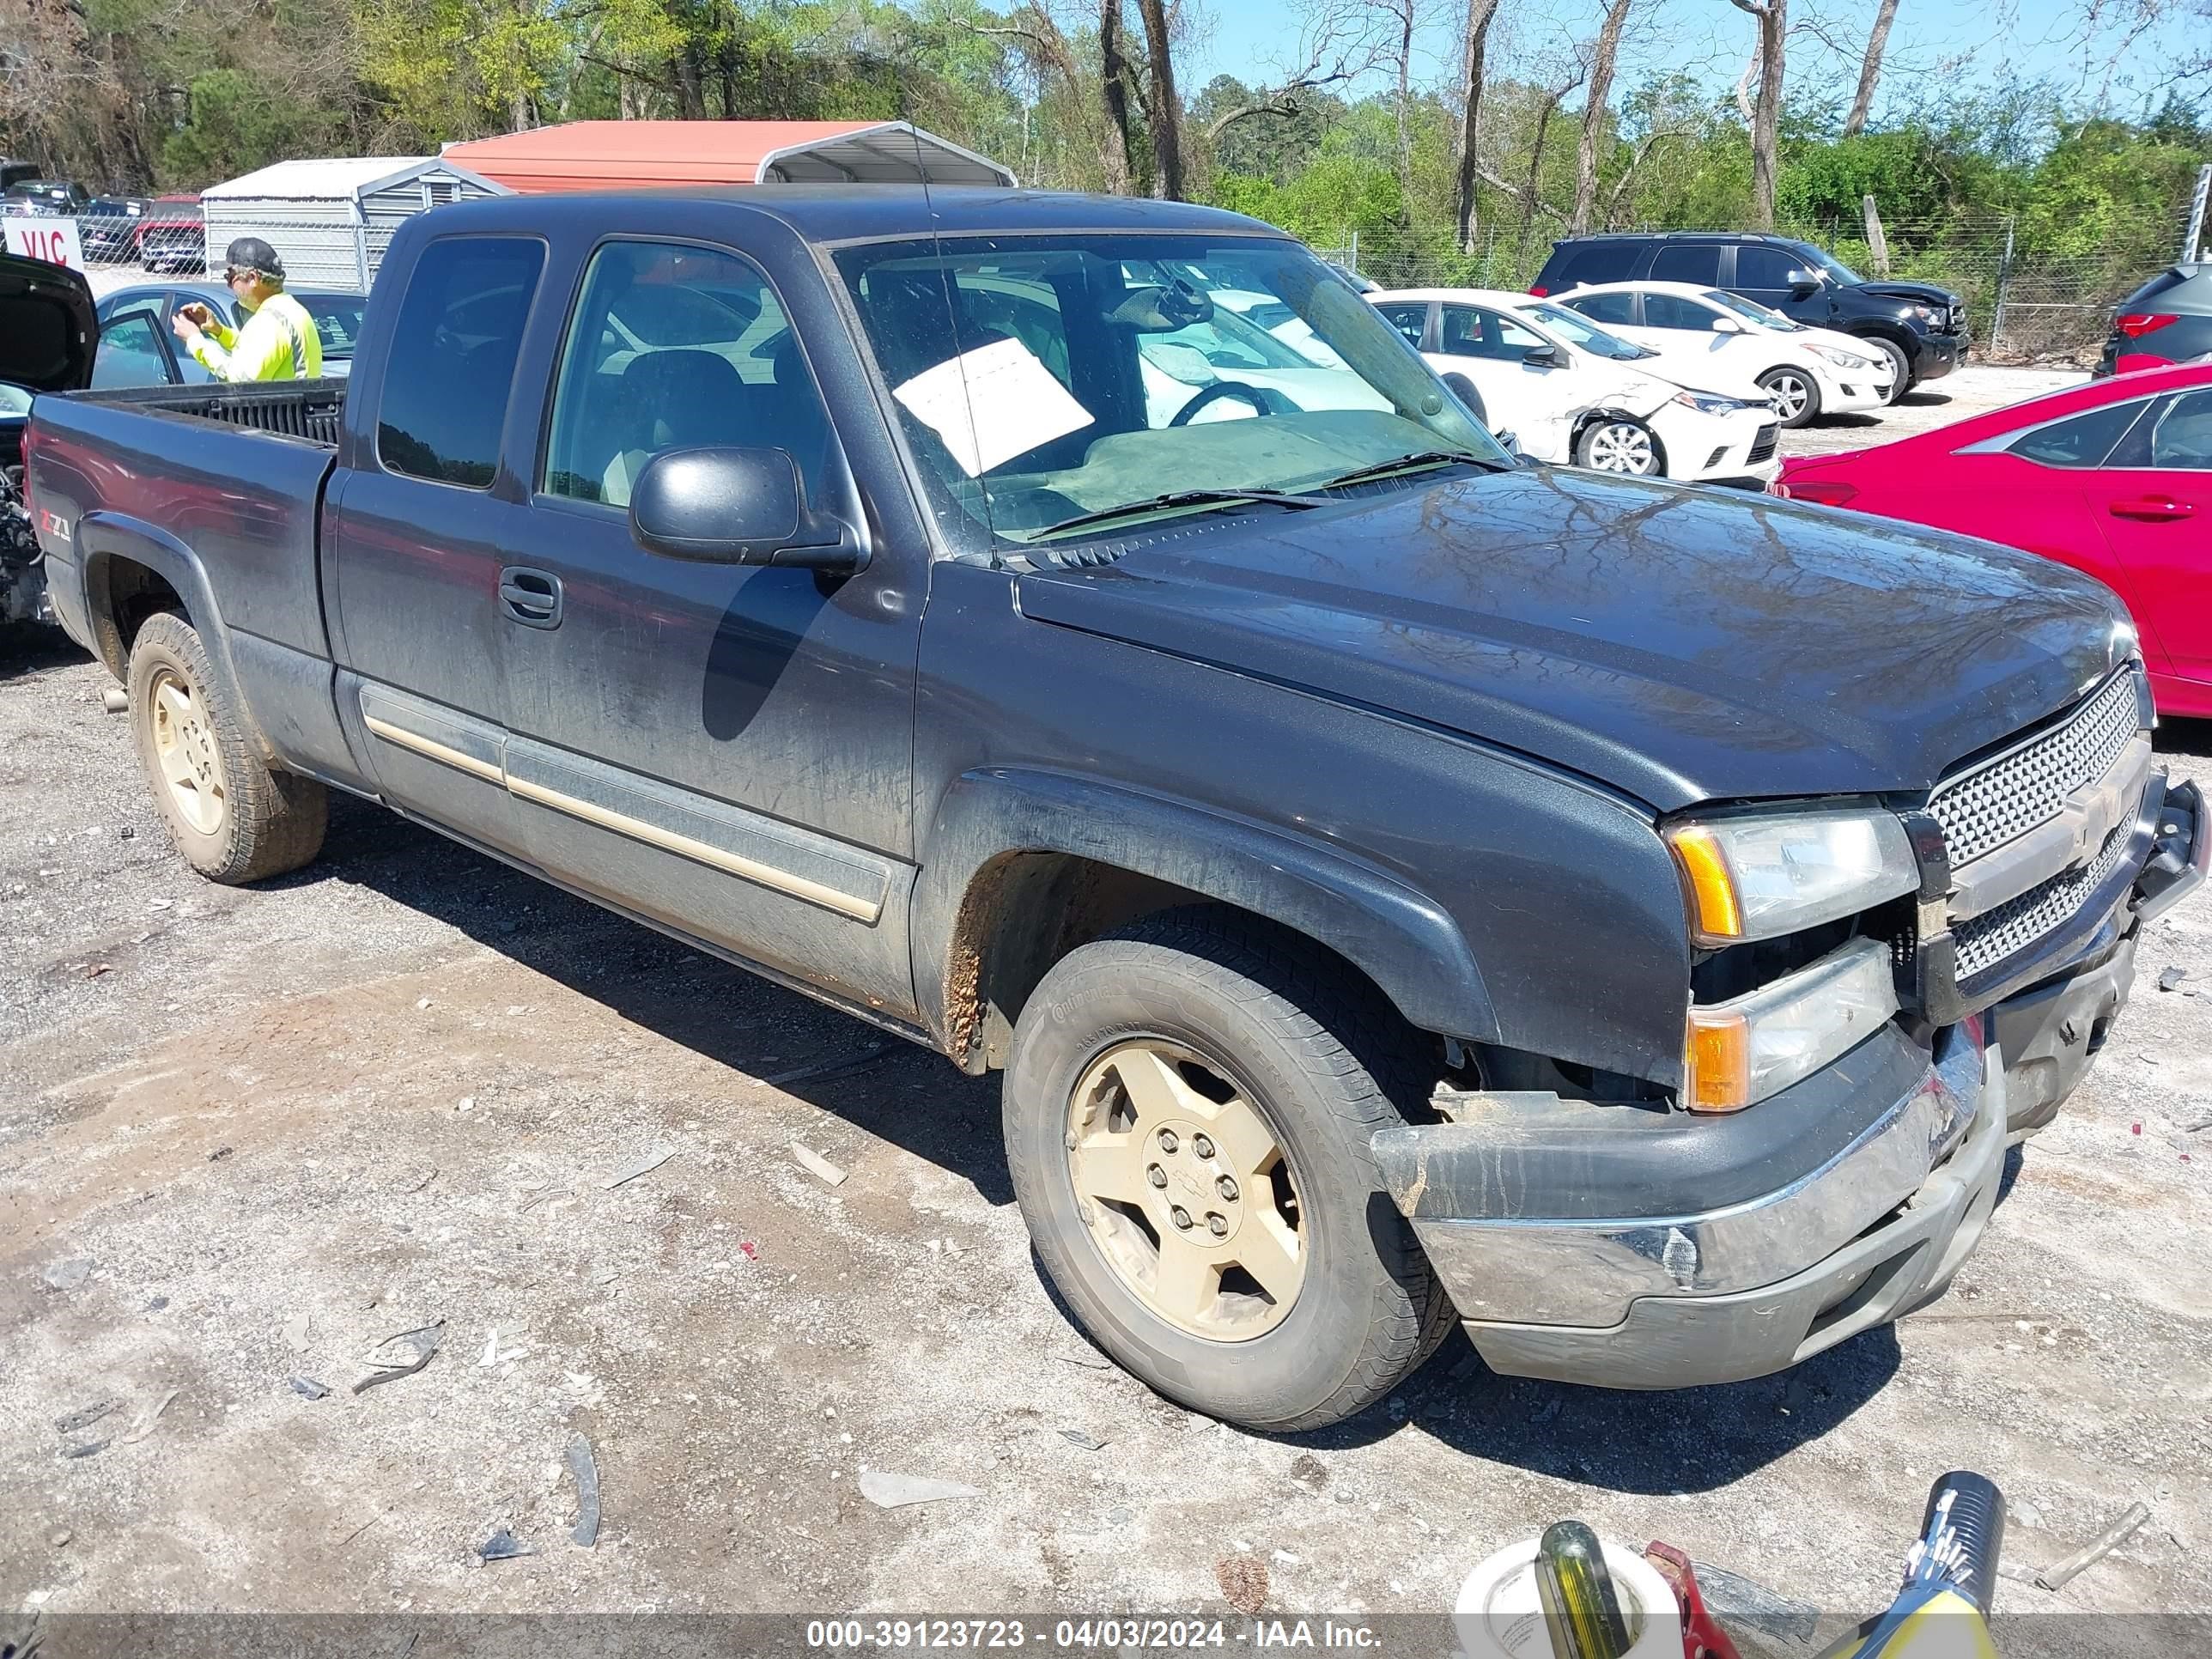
x: 235, y: 818
x: 1187, y: 1108
x: 1617, y: 444
x: 1901, y: 381
x: 1797, y: 395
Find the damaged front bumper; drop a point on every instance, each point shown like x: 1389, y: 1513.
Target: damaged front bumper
x: 1633, y: 1246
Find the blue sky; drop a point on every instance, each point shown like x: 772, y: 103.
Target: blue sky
x: 1935, y: 43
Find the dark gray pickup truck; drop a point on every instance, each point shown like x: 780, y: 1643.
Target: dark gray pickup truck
x: 1399, y: 885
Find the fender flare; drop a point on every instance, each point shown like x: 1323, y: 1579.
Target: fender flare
x: 102, y: 537
x: 1412, y: 949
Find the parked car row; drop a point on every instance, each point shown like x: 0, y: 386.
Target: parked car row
x: 164, y: 235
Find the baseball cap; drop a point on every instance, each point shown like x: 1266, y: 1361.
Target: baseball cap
x: 252, y: 253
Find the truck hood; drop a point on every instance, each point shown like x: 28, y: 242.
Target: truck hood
x: 47, y: 330
x: 1926, y: 293
x: 1680, y: 645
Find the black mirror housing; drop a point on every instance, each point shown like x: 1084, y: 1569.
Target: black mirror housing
x: 1541, y: 357
x: 1804, y: 289
x: 719, y: 504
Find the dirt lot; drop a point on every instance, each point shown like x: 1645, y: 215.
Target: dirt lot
x: 244, y: 1135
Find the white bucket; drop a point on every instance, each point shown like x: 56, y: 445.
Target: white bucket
x: 1500, y: 1615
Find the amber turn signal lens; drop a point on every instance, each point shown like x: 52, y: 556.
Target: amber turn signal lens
x: 1712, y: 888
x: 1719, y: 1060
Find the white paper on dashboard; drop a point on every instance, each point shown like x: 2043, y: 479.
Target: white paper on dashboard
x: 992, y: 403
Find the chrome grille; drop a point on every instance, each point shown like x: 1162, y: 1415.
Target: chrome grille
x: 1988, y: 939
x: 2005, y: 797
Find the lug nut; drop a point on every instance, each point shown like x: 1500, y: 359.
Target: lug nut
x: 1218, y: 1225
x: 1157, y: 1175
x: 1182, y: 1217
x: 1168, y: 1141
x: 1227, y: 1189
x: 1201, y: 1145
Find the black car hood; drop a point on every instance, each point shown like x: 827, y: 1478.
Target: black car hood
x: 1926, y: 293
x: 1680, y: 645
x: 47, y: 331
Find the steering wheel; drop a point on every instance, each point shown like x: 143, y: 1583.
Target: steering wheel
x: 1264, y: 401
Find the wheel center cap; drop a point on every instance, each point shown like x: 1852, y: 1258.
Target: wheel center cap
x: 1195, y: 1202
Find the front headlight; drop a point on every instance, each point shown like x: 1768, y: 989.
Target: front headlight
x: 1841, y: 359
x: 1758, y: 877
x: 1925, y: 314
x: 1706, y: 404
x: 1739, y: 1052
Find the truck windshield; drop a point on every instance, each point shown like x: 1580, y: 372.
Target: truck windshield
x: 1827, y: 263
x: 1047, y: 379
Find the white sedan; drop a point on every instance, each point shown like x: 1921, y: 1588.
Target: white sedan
x: 1738, y: 343
x: 1571, y: 393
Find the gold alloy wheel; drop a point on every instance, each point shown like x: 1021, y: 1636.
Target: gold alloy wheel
x: 1186, y: 1191
x: 185, y: 745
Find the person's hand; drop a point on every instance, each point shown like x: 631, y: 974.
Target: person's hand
x: 201, y: 316
x: 182, y: 325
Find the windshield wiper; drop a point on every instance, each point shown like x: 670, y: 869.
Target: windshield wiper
x: 1180, y: 498
x: 1419, y: 459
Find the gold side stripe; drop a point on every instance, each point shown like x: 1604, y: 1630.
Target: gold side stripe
x: 767, y: 875
x: 434, y: 749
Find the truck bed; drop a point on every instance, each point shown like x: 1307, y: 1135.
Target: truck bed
x: 313, y: 409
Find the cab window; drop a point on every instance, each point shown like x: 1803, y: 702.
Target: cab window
x: 1410, y: 320
x: 1471, y: 331
x: 1673, y: 311
x: 1687, y: 262
x: 1605, y: 307
x: 673, y: 346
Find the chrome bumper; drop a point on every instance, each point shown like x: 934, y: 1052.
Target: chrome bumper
x: 1679, y: 1299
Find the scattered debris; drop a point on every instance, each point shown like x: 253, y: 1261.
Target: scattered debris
x: 1307, y: 1470
x: 84, y: 1416
x: 146, y: 1423
x: 645, y: 1165
x: 822, y: 1071
x: 2170, y: 979
x: 494, y: 1355
x: 295, y: 1333
x: 59, y: 1537
x: 1079, y: 1439
x: 1243, y: 1581
x: 425, y: 1341
x: 157, y: 1304
x: 428, y: 1178
x: 466, y: 1103
x: 587, y: 1471
x: 751, y: 1250
x: 1735, y: 1598
x: 97, y: 968
x: 503, y: 1546
x: 220, y: 1153
x: 1284, y: 1557
x: 90, y: 1448
x: 67, y: 1273
x: 1547, y: 1412
x: 815, y: 1164
x: 161, y: 904
x: 1088, y: 1361
x: 421, y: 1003
x: 891, y: 1491
x: 309, y: 1387
x: 2199, y: 1126
x: 2060, y: 1573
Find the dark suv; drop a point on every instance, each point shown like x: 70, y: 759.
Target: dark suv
x: 1920, y: 326
x: 2167, y: 320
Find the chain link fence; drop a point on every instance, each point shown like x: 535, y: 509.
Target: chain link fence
x: 2025, y: 304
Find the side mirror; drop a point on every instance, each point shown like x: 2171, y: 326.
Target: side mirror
x: 1727, y: 325
x: 1541, y: 357
x: 1804, y: 287
x: 718, y: 504
x: 1461, y: 388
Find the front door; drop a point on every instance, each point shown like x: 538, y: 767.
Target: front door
x: 723, y: 749
x: 1533, y: 401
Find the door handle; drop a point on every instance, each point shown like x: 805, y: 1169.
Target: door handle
x: 530, y: 597
x: 2155, y: 508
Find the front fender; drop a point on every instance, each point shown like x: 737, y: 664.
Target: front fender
x: 1399, y: 938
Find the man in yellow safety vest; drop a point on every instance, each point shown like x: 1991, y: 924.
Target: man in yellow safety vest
x: 279, y: 341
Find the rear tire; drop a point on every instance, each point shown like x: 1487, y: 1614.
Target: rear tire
x: 1901, y: 382
x: 1796, y: 393
x: 1207, y: 1059
x: 233, y: 817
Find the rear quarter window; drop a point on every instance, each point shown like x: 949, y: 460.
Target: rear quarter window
x: 452, y: 364
x: 1578, y: 264
x: 2083, y: 441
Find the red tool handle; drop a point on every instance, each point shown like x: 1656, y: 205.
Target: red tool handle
x: 1702, y: 1636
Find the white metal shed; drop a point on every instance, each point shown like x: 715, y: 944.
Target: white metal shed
x: 330, y: 220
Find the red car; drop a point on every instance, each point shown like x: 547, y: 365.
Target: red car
x: 2113, y: 477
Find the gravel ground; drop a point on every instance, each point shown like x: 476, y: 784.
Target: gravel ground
x: 246, y: 1134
